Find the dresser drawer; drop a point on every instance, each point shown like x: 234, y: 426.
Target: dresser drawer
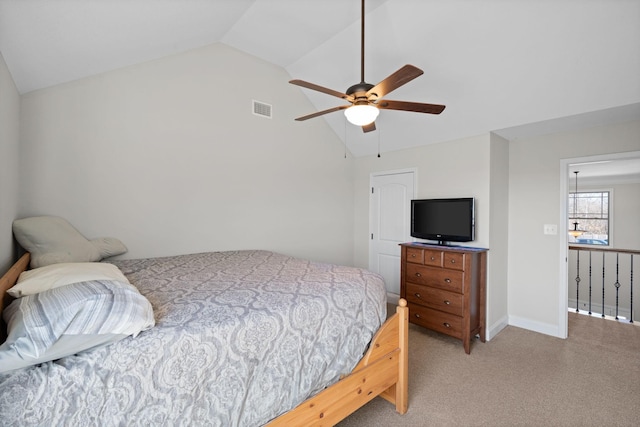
x: 449, y: 280
x: 439, y: 321
x: 433, y: 258
x: 425, y: 256
x: 450, y: 302
x: 454, y: 261
x: 415, y: 256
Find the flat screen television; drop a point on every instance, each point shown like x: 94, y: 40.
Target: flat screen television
x: 443, y: 220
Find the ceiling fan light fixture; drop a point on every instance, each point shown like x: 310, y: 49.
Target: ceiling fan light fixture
x: 361, y: 115
x: 576, y: 232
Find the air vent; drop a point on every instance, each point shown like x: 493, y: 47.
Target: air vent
x: 261, y: 109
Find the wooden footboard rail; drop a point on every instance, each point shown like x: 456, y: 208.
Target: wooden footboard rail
x: 383, y: 371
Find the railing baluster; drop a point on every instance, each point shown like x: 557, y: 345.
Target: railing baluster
x: 617, y: 284
x: 578, y: 282
x: 602, y: 284
x: 589, y: 282
x: 631, y: 295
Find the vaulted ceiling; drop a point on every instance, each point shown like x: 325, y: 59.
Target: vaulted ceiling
x: 513, y: 67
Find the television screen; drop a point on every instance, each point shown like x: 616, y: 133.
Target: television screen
x: 443, y: 219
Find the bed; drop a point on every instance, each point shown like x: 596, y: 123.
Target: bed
x: 241, y: 338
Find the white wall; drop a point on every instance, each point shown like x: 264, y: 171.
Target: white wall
x: 534, y: 200
x: 497, y: 291
x: 9, y: 125
x: 168, y: 157
x: 626, y: 207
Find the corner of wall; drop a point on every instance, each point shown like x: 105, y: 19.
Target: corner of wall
x: 535, y: 326
x: 9, y: 156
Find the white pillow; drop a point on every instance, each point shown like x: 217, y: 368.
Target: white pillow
x: 51, y: 240
x: 55, y: 275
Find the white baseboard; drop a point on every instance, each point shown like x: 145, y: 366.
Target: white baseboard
x: 496, y: 327
x: 393, y: 298
x: 532, y: 325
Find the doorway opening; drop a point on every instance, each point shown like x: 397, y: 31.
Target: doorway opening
x: 596, y: 171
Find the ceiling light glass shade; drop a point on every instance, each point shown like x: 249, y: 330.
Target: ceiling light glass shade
x: 361, y: 115
x: 575, y: 232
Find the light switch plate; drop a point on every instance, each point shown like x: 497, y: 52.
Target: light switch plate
x: 550, y: 229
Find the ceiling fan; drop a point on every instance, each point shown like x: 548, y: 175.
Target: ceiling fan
x: 365, y: 100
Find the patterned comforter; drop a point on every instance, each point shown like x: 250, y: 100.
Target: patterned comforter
x: 240, y: 338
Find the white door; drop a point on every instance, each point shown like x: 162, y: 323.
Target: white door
x: 389, y: 225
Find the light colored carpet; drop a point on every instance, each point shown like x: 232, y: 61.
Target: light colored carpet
x: 520, y: 378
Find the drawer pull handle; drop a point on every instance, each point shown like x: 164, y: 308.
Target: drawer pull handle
x: 453, y: 261
x: 418, y: 295
x: 418, y: 275
x: 447, y: 280
x: 413, y: 255
x: 447, y: 302
x: 417, y: 315
x: 447, y: 325
x: 433, y: 258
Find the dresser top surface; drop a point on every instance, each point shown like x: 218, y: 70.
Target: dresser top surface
x: 443, y: 247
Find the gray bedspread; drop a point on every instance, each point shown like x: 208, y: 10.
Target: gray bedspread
x: 240, y: 338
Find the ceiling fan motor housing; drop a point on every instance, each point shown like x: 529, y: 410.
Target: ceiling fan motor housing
x: 359, y: 91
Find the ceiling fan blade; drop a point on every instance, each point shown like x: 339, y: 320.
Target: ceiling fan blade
x: 312, y: 86
x: 320, y: 113
x: 410, y: 106
x: 395, y: 80
x: 370, y: 127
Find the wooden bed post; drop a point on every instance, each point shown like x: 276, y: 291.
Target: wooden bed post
x: 398, y: 394
x: 402, y: 387
x: 11, y: 276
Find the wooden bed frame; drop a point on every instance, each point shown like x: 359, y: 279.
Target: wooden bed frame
x: 383, y: 371
x: 8, y: 280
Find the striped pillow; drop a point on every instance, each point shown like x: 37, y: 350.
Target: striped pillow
x: 93, y: 313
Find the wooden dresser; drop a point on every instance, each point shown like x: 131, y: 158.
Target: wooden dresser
x: 445, y: 287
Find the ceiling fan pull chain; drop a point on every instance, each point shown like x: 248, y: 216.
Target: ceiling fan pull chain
x: 345, y: 137
x: 379, y: 132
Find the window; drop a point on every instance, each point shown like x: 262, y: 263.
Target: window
x: 591, y: 211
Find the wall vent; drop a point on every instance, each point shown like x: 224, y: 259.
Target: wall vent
x: 261, y: 109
